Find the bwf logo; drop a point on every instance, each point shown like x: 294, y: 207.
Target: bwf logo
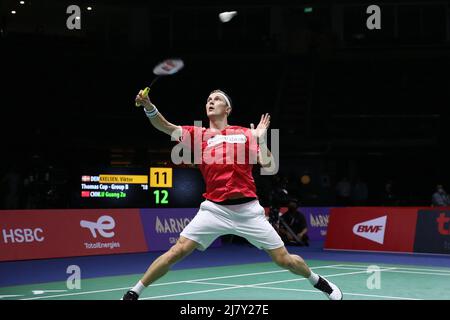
x: 372, y: 230
x: 103, y: 225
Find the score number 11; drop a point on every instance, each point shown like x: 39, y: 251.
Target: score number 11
x: 161, y: 178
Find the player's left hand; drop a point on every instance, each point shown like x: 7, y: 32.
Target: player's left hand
x: 261, y: 129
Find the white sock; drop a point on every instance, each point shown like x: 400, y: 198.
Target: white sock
x: 138, y: 288
x: 313, y: 278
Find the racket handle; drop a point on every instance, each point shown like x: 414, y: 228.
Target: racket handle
x: 144, y: 94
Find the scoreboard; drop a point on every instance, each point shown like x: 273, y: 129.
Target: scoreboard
x: 141, y: 188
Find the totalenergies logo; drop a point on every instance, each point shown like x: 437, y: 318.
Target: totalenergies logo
x: 103, y: 225
x: 443, y: 226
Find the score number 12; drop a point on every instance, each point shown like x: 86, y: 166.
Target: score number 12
x: 161, y: 178
x: 158, y: 199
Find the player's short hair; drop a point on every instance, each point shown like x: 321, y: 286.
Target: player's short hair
x: 227, y: 97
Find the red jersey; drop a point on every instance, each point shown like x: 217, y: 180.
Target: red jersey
x: 225, y: 158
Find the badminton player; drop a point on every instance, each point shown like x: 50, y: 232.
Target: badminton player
x: 231, y: 205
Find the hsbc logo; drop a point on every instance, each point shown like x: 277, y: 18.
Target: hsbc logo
x: 103, y: 226
x: 372, y: 230
x: 23, y: 235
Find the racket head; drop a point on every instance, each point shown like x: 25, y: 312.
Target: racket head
x: 168, y: 67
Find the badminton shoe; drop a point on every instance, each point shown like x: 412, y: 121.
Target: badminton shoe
x: 130, y: 295
x: 329, y: 289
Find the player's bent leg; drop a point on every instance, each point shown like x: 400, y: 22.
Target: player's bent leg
x: 297, y: 265
x: 161, y: 266
x: 291, y: 262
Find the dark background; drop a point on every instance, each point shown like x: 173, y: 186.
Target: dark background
x: 368, y: 104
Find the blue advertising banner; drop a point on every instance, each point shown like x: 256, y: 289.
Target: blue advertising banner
x: 317, y: 220
x: 162, y: 227
x: 433, y: 231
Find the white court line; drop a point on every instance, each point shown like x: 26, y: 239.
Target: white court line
x: 243, y: 286
x: 157, y: 284
x: 413, y: 272
x: 10, y: 295
x: 229, y: 286
x: 261, y: 286
x: 344, y: 293
x: 399, y: 268
x: 305, y: 290
x: 188, y: 293
x: 224, y: 277
x: 221, y: 284
x: 169, y: 283
x: 325, y: 276
x: 76, y: 293
x: 379, y: 296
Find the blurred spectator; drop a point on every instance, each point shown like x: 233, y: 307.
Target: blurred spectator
x: 280, y: 195
x: 293, y: 185
x: 11, y: 188
x: 274, y: 217
x: 292, y: 226
x: 389, y: 197
x: 326, y: 191
x: 343, y: 192
x: 440, y: 198
x: 360, y: 193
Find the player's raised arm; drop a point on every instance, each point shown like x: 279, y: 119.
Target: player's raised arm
x: 155, y: 117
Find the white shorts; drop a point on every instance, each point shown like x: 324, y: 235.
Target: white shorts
x: 245, y: 220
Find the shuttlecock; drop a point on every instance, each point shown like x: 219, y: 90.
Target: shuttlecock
x: 227, y: 16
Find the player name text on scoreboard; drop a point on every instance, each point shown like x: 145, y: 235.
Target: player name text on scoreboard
x: 131, y: 179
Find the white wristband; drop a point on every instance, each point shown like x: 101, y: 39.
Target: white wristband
x: 151, y: 114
